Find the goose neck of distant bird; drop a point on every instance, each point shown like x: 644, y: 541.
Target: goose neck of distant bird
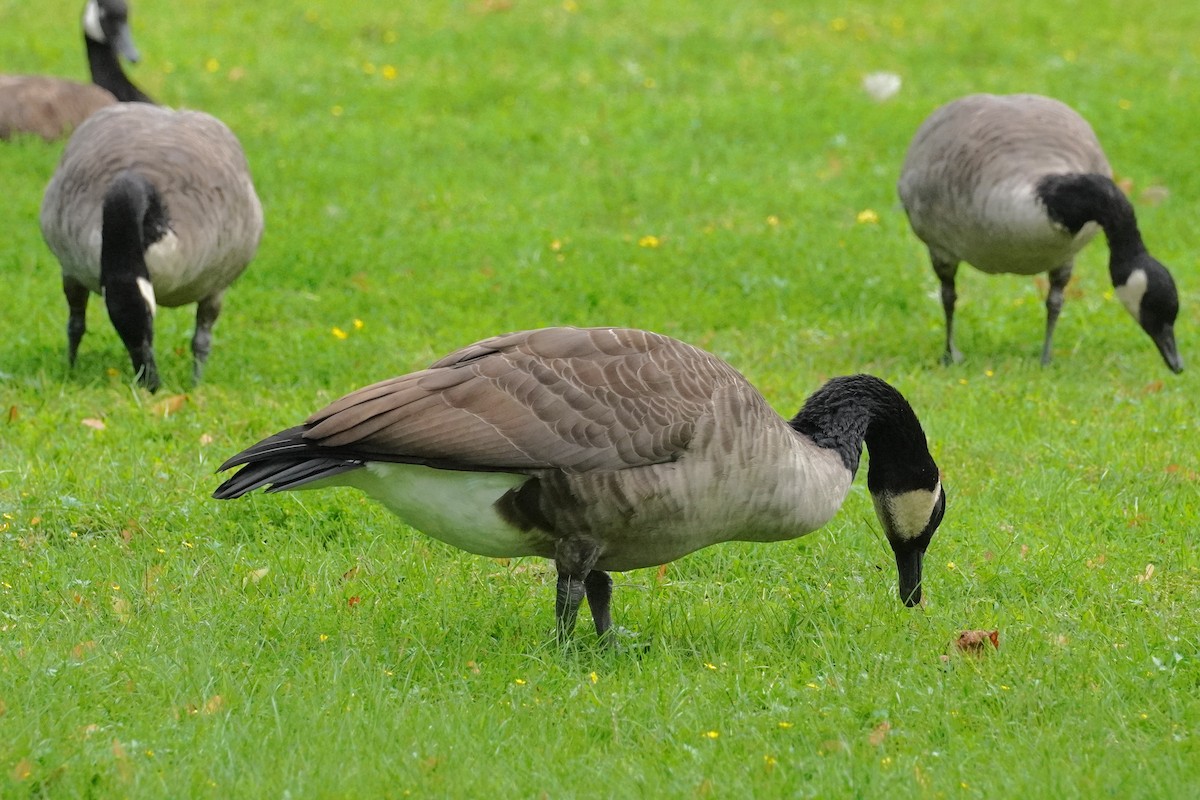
x: 108, y: 74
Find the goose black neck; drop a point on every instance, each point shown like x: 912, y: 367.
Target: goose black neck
x: 1075, y: 199
x: 849, y: 411
x: 107, y: 73
x: 132, y: 219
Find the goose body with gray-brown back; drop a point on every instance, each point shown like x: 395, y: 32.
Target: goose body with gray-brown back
x: 148, y: 207
x: 51, y: 107
x: 607, y: 449
x: 1020, y: 184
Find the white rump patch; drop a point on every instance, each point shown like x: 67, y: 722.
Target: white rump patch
x: 906, y: 515
x: 1132, y: 292
x: 459, y: 508
x: 147, y: 290
x: 91, y: 22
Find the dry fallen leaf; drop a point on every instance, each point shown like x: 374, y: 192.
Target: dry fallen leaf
x: 93, y: 423
x: 879, y: 733
x: 350, y: 574
x: 122, y: 608
x: 82, y: 649
x: 1154, y: 195
x: 22, y: 770
x: 13, y: 413
x: 214, y: 704
x: 974, y: 641
x: 662, y: 574
x: 169, y: 405
x: 254, y: 576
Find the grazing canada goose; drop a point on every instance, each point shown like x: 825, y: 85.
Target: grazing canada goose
x: 150, y: 206
x: 607, y: 449
x: 1018, y: 184
x: 51, y: 107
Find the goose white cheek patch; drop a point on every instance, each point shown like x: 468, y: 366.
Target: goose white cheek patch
x: 908, y: 513
x: 1132, y: 292
x: 147, y: 290
x: 91, y: 22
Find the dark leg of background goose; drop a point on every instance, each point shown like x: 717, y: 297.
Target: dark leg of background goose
x: 599, y: 593
x: 207, y: 311
x: 77, y: 300
x: 946, y: 270
x: 1059, y: 278
x: 566, y: 606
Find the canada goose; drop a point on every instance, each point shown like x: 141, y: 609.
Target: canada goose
x: 51, y: 107
x: 150, y: 205
x: 607, y: 449
x: 1018, y: 183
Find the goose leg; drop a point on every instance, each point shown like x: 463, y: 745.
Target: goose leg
x: 946, y: 270
x: 1059, y: 278
x: 599, y: 592
x: 207, y: 311
x: 77, y: 300
x: 574, y: 559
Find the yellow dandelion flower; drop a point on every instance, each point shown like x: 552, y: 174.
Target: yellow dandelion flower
x: 388, y: 72
x: 770, y: 761
x: 989, y: 373
x: 324, y: 637
x: 358, y: 324
x: 773, y: 221
x: 649, y: 241
x: 709, y: 666
x: 712, y: 734
x: 519, y: 681
x: 812, y: 686
x: 212, y: 65
x: 595, y: 678
x: 950, y: 565
x: 868, y: 216
x: 188, y: 544
x: 556, y: 245
x: 338, y: 333
x: 785, y: 725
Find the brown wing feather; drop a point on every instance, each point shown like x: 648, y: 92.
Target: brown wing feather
x: 566, y: 398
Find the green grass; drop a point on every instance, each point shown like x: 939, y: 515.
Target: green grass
x: 446, y: 171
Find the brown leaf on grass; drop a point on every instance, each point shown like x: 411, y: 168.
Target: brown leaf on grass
x: 350, y: 574
x: 13, y: 413
x: 254, y: 576
x: 213, y: 704
x: 122, y: 608
x: 661, y: 577
x: 1154, y: 195
x: 169, y: 405
x: 1125, y: 185
x: 206, y: 439
x: 82, y: 649
x: 1146, y: 574
x: 1153, y: 387
x: 879, y: 733
x: 831, y: 746
x: 975, y: 641
x: 93, y: 423
x: 22, y: 770
x: 124, y: 768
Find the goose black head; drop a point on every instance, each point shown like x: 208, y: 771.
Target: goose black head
x: 133, y: 219
x: 1149, y: 294
x: 107, y: 22
x: 910, y: 518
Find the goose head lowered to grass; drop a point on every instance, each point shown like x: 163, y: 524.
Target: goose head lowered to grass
x: 608, y: 449
x: 149, y: 207
x: 1019, y: 184
x: 51, y: 107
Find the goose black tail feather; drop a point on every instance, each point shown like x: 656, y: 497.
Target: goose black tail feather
x: 284, y: 461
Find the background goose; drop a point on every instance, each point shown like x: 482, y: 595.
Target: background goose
x: 51, y: 107
x: 607, y: 449
x: 1018, y: 184
x: 149, y: 206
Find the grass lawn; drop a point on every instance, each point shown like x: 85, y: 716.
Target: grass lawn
x: 433, y: 173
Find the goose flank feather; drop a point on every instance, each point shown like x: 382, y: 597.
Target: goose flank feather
x: 150, y: 206
x: 51, y: 107
x: 607, y: 449
x: 1020, y: 184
